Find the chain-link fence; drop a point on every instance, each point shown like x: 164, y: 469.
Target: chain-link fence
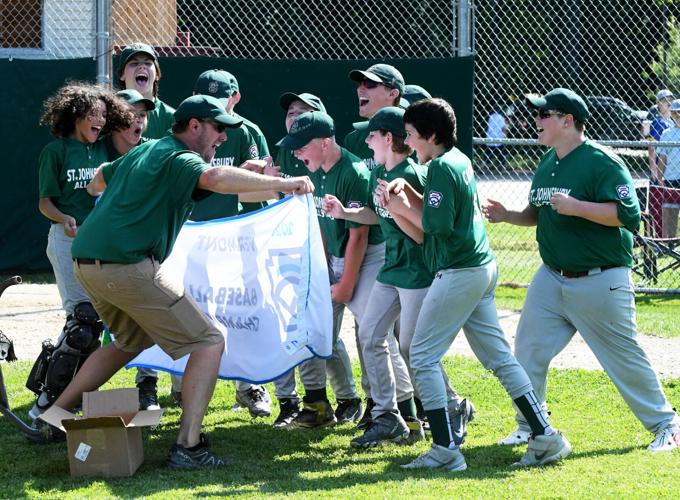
x: 617, y: 53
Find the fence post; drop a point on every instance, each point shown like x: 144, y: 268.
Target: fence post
x: 464, y: 27
x: 102, y: 42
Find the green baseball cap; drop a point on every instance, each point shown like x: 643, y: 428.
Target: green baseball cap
x: 216, y: 83
x: 205, y: 106
x: 308, y: 126
x: 564, y: 100
x: 309, y: 99
x: 136, y: 48
x: 381, y: 73
x: 390, y: 119
x: 131, y: 96
x: 413, y: 93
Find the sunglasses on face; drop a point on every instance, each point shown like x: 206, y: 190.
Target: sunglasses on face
x: 369, y: 84
x: 219, y: 127
x: 547, y: 113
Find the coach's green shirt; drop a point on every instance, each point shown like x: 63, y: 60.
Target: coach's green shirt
x: 355, y: 143
x: 148, y: 197
x: 589, y: 173
x: 66, y: 166
x: 262, y: 153
x: 239, y: 147
x: 161, y: 119
x: 455, y: 236
x: 404, y: 265
x: 347, y: 180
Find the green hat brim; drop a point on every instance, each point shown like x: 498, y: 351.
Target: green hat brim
x: 358, y: 76
x: 292, y: 143
x: 286, y: 99
x: 537, y: 102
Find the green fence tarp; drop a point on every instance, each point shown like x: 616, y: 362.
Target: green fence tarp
x: 23, y: 231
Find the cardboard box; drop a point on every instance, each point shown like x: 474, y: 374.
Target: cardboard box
x: 107, y: 440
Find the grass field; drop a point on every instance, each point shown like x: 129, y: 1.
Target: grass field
x: 609, y: 456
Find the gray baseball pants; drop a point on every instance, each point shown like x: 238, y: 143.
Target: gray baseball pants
x: 462, y: 298
x: 313, y: 372
x: 602, y: 308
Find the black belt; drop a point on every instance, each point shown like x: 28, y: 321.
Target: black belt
x: 83, y: 260
x: 582, y: 274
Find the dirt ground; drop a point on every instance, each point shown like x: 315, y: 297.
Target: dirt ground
x: 31, y: 313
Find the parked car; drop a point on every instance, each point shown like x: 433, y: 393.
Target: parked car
x: 610, y: 119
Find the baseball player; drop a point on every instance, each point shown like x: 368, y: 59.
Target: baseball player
x: 356, y: 252
x: 119, y: 142
x: 139, y: 70
x: 400, y: 286
x: 447, y: 221
x: 339, y: 366
x: 118, y: 255
x: 413, y: 93
x: 583, y: 204
x: 77, y: 115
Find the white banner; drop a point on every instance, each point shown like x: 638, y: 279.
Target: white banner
x: 262, y: 279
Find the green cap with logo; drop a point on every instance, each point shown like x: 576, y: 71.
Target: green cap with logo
x: 216, y: 83
x: 131, y: 96
x: 381, y: 73
x: 389, y: 119
x: 309, y: 99
x: 205, y: 106
x: 136, y: 48
x: 563, y: 100
x: 308, y: 126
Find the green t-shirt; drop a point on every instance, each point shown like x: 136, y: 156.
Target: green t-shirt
x: 239, y: 147
x: 455, y: 236
x: 161, y: 119
x: 149, y: 195
x: 404, y: 261
x: 347, y: 180
x: 65, y: 167
x: 589, y: 173
x: 355, y: 143
x: 262, y: 153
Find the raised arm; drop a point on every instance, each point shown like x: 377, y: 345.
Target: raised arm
x: 232, y: 180
x: 363, y: 215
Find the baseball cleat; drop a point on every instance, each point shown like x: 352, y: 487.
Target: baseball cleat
x: 460, y: 415
x: 416, y: 430
x: 290, y: 407
x: 388, y: 427
x: 439, y: 457
x: 518, y: 436
x: 313, y: 415
x: 256, y: 399
x: 348, y: 410
x: 544, y: 449
x: 666, y: 439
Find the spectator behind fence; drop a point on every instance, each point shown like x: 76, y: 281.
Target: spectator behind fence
x: 659, y: 123
x: 497, y: 128
x: 668, y: 165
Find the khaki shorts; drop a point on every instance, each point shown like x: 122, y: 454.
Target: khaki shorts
x: 142, y: 307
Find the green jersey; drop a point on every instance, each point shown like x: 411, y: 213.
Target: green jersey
x: 404, y: 261
x: 455, y: 236
x: 149, y: 195
x: 239, y: 147
x: 66, y: 166
x: 262, y: 154
x: 347, y: 180
x: 290, y: 166
x: 355, y: 143
x: 589, y: 173
x: 161, y: 119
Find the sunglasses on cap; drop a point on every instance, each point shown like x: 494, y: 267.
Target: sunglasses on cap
x: 369, y: 84
x: 219, y: 127
x: 547, y: 113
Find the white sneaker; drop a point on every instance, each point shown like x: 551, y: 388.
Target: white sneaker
x: 666, y: 439
x: 518, y: 436
x: 544, y: 449
x: 439, y: 457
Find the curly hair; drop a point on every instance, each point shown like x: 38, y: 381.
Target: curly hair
x: 77, y: 100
